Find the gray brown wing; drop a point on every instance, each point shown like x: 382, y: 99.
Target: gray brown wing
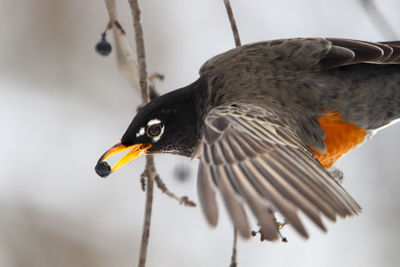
x: 252, y: 158
x: 282, y: 56
x: 346, y: 52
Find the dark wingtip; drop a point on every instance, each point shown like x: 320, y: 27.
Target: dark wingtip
x: 103, y: 169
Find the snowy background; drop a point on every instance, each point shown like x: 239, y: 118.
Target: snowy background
x: 62, y: 105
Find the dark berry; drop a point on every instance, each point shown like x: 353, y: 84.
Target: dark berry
x: 103, y: 47
x: 103, y: 169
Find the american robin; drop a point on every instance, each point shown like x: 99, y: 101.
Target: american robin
x: 268, y: 120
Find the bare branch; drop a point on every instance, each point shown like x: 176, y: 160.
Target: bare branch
x: 126, y: 63
x: 379, y: 19
x: 182, y: 200
x: 234, y: 249
x: 112, y: 11
x: 150, y: 171
x: 236, y: 37
x: 140, y: 50
x: 233, y: 22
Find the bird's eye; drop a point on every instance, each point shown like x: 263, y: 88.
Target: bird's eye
x: 154, y: 130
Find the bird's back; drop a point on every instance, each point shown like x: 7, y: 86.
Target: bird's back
x: 307, y: 79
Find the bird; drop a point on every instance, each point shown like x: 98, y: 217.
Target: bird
x: 267, y: 121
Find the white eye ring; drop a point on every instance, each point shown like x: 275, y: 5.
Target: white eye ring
x: 154, y: 129
x: 153, y: 121
x: 140, y: 132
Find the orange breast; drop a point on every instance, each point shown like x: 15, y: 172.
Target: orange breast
x: 341, y: 137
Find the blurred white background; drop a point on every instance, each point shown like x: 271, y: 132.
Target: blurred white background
x: 62, y: 105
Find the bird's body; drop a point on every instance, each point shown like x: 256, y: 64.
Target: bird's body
x: 267, y: 119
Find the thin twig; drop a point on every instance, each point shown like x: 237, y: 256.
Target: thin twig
x: 232, y: 22
x: 234, y: 249
x: 379, y: 19
x: 236, y: 37
x: 150, y: 171
x: 140, y: 50
x: 112, y: 11
x: 127, y: 66
x: 182, y: 200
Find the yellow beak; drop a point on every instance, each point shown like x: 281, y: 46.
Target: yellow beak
x: 103, y: 169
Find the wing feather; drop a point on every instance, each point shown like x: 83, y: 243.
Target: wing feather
x: 232, y: 202
x: 207, y: 195
x: 253, y: 158
x: 260, y: 208
x: 271, y: 194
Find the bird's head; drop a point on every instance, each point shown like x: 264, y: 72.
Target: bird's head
x: 168, y: 124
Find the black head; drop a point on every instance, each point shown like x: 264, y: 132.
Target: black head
x: 171, y: 123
